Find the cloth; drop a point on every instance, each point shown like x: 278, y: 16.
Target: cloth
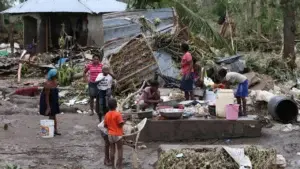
x: 234, y: 77
x: 187, y: 82
x: 93, y: 90
x: 54, y: 102
x: 51, y: 73
x: 242, y: 90
x: 185, y: 66
x: 29, y: 91
x: 112, y: 120
x: 105, y: 82
x: 114, y: 139
x: 93, y: 70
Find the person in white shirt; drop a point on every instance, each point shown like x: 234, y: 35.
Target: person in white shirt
x: 242, y: 90
x: 105, y: 81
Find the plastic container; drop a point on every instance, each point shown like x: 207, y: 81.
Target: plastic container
x: 47, y: 128
x: 232, y: 111
x: 210, y: 96
x: 283, y: 109
x: 223, y: 98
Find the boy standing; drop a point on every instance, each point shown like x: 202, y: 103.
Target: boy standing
x: 242, y: 90
x: 104, y: 80
x: 114, y: 123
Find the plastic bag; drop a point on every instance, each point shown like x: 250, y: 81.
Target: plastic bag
x: 102, y: 128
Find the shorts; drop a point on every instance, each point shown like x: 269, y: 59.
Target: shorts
x: 187, y: 83
x: 114, y: 139
x: 93, y: 90
x: 242, y: 90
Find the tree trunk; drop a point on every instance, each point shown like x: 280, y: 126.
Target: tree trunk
x: 289, y: 30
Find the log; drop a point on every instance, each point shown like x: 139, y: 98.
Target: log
x: 131, y: 95
x: 20, y: 66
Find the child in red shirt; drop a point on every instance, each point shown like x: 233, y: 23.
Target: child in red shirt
x: 113, y: 121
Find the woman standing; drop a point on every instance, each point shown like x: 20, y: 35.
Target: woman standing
x: 187, y: 73
x: 93, y: 69
x: 49, y: 99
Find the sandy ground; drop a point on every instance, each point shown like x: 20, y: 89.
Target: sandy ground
x: 81, y: 145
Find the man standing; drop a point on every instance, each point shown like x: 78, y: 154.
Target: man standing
x: 187, y: 73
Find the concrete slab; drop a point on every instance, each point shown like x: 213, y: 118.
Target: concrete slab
x: 199, y: 128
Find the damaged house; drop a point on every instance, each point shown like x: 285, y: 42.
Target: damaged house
x: 81, y: 20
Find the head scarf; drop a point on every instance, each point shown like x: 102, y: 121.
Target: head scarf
x: 51, y: 74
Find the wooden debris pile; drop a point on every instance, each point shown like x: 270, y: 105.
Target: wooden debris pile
x: 133, y: 64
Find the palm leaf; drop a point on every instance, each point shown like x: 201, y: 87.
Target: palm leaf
x: 199, y: 25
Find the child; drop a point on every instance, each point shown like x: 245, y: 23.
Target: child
x: 104, y: 80
x: 242, y: 90
x: 114, y: 123
x: 104, y: 134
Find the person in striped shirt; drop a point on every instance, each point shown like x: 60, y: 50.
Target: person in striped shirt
x: 93, y: 69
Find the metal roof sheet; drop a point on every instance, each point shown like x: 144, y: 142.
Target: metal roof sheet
x: 70, y: 6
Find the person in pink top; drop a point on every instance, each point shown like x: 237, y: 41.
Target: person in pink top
x: 94, y: 68
x: 187, y: 73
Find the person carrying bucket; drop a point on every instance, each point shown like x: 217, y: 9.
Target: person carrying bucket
x: 49, y: 98
x: 241, y: 92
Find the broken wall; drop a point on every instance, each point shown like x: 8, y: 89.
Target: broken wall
x: 30, y: 30
x: 95, y: 31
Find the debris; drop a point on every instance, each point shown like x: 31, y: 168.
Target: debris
x: 142, y: 147
x: 280, y: 161
x: 215, y: 158
x: 285, y: 127
x: 133, y: 64
x: 179, y: 155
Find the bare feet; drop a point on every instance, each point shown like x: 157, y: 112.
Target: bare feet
x: 107, y: 163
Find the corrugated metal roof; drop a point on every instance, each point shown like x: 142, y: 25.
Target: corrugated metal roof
x: 71, y: 6
x: 121, y: 26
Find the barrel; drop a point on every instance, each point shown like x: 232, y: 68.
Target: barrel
x: 283, y: 109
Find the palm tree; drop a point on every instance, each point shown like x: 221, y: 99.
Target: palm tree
x: 195, y: 23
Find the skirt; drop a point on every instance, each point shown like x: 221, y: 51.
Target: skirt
x: 93, y: 90
x: 187, y: 82
x: 242, y: 90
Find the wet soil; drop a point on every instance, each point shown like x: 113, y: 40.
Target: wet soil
x: 81, y: 145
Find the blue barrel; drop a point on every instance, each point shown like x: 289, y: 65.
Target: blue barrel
x: 283, y: 109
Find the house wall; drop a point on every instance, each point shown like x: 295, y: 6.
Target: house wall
x: 95, y: 31
x: 30, y: 30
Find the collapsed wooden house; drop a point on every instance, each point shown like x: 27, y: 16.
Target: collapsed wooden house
x: 133, y: 64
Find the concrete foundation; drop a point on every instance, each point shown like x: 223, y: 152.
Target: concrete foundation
x: 196, y: 128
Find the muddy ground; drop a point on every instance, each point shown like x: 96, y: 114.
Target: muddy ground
x: 81, y: 145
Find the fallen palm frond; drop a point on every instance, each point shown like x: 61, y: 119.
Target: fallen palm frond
x: 214, y: 158
x: 199, y: 26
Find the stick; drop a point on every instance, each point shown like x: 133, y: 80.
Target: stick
x: 20, y: 66
x: 131, y: 95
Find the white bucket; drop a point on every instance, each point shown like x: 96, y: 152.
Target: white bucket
x: 47, y: 128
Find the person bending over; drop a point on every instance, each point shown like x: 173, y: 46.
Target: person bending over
x: 242, y: 90
x: 150, y: 96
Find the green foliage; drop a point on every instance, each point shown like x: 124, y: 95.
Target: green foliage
x: 65, y: 74
x: 200, y: 26
x: 12, y: 166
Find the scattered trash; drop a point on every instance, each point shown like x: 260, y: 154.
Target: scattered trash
x: 179, y: 155
x: 285, y: 127
x: 280, y: 161
x: 142, y: 147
